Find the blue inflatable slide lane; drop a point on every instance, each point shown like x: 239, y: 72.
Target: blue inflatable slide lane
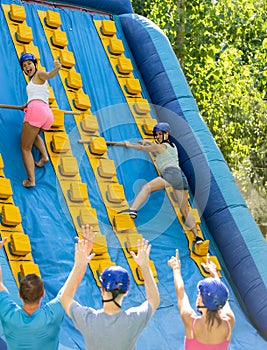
x: 121, y: 76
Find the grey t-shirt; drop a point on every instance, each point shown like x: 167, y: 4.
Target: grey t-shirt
x: 168, y: 158
x: 115, y: 332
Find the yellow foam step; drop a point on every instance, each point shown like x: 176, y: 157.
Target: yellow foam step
x: 20, y: 244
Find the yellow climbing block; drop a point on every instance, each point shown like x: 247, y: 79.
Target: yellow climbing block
x: 201, y: 249
x: 1, y: 162
x: 116, y: 46
x: 81, y: 100
x: 51, y: 98
x: 98, y: 146
x: 78, y: 192
x: 11, y: 215
x: 58, y: 118
x: 66, y: 58
x: 17, y: 13
x: 123, y: 222
x: 74, y: 80
x: 108, y: 28
x: 24, y: 33
x: 142, y: 106
x: 133, y: 86
x: 8, y: 249
x: 132, y: 240
x: 115, y: 193
x: 104, y: 264
x: 148, y: 126
x: 60, y: 143
x: 68, y: 166
x: 30, y: 47
x: 106, y: 168
x: 29, y: 267
x: 52, y: 19
x: 124, y: 65
x: 20, y: 244
x: 100, y: 245
x: 59, y: 38
x: 89, y: 123
x: 5, y: 188
x: 88, y: 216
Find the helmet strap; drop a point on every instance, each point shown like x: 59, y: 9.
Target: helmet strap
x: 199, y: 307
x: 109, y: 300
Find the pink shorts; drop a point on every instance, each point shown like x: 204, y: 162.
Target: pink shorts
x: 39, y: 114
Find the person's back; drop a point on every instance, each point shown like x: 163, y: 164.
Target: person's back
x: 118, y: 331
x: 212, y: 330
x: 30, y: 327
x: 203, y: 337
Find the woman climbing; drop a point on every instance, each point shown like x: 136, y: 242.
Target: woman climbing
x: 171, y: 175
x: 38, y: 115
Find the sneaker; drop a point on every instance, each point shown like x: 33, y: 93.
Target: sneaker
x: 131, y: 212
x: 199, y: 240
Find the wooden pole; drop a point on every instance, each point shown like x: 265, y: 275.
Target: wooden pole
x: 11, y: 107
x: 70, y: 112
x: 109, y: 143
x: 21, y: 108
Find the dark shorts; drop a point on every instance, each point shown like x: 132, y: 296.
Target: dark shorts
x: 175, y: 178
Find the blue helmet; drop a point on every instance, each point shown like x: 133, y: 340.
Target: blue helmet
x: 165, y: 127
x: 115, y: 277
x: 214, y: 293
x: 27, y: 57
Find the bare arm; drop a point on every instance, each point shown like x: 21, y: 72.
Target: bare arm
x: 142, y: 259
x: 82, y: 257
x: 226, y: 311
x: 2, y: 286
x: 186, y: 311
x: 42, y: 75
x: 146, y: 146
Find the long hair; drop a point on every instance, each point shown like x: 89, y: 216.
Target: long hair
x: 31, y: 289
x: 211, y: 317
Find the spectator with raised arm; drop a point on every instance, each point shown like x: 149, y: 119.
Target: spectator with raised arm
x: 213, y: 329
x: 30, y: 326
x: 110, y: 327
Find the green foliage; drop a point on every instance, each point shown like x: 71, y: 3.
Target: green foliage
x: 169, y: 16
x: 222, y: 47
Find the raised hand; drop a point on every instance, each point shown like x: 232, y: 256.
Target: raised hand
x: 210, y: 267
x: 57, y: 64
x: 142, y: 256
x: 174, y: 261
x: 82, y: 258
x: 89, y: 236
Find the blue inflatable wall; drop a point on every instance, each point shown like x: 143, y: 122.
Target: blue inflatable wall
x: 226, y: 214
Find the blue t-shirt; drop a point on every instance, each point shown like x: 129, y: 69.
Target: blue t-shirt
x: 38, y: 331
x: 110, y: 332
